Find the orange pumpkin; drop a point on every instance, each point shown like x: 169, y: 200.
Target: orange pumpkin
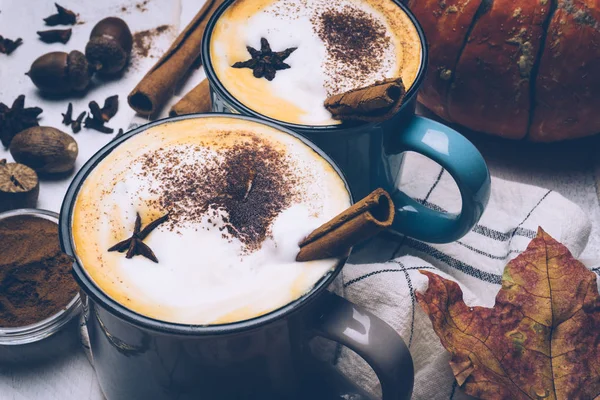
x: 520, y: 69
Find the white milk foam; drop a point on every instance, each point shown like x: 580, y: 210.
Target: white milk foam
x: 297, y: 94
x: 203, y: 275
x: 302, y: 84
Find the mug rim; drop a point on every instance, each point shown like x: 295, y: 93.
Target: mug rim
x: 98, y: 295
x: 216, y: 85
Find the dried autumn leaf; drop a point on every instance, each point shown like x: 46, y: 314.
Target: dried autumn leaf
x: 540, y: 341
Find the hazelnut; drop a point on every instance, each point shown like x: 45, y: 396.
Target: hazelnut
x: 45, y: 149
x: 59, y: 73
x: 110, y: 46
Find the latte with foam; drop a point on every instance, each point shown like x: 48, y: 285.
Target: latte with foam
x: 239, y: 196
x: 339, y: 46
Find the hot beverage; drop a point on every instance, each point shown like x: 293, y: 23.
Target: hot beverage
x: 198, y: 221
x: 283, y: 58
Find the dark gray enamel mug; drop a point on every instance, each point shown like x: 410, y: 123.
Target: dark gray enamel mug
x: 371, y: 155
x: 267, y: 357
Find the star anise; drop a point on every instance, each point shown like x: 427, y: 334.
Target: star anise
x: 264, y: 62
x: 14, y: 120
x: 134, y: 245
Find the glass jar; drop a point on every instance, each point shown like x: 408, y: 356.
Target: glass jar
x: 46, y: 338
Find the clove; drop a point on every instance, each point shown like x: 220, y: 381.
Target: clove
x: 55, y: 35
x: 68, y: 116
x: 62, y: 17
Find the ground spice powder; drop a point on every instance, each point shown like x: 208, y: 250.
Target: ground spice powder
x: 356, y: 45
x: 35, y: 275
x: 251, y: 180
x: 143, y: 40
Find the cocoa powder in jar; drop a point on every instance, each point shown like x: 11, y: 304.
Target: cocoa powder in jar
x: 35, y: 275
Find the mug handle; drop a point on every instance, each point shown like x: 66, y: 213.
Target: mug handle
x: 466, y: 165
x: 372, y: 339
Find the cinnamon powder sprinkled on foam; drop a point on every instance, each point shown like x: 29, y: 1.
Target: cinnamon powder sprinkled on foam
x: 356, y: 45
x: 241, y: 189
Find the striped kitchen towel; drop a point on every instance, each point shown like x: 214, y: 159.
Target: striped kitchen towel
x: 387, y: 287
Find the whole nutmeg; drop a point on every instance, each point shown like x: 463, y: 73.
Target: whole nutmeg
x: 110, y: 46
x: 19, y: 186
x: 59, y: 73
x: 45, y: 149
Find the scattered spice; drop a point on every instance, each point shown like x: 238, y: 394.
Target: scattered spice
x: 264, y: 62
x: 35, y: 275
x: 55, y: 35
x: 98, y: 116
x: 68, y: 116
x: 62, y: 17
x: 356, y: 43
x: 19, y: 186
x: 249, y: 184
x: 142, y: 40
x: 97, y: 125
x: 95, y: 111
x: 7, y: 45
x: 110, y: 108
x: 135, y: 244
x: 142, y: 5
x: 253, y: 193
x: 76, y: 125
x: 251, y: 181
x: 101, y: 115
x: 17, y: 118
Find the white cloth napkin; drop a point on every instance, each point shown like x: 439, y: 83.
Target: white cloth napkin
x: 476, y: 262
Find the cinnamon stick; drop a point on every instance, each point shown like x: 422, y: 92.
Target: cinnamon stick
x: 373, y: 103
x: 196, y: 101
x: 153, y: 90
x: 358, y: 223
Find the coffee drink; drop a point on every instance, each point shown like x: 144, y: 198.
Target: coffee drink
x: 332, y: 47
x: 239, y: 196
